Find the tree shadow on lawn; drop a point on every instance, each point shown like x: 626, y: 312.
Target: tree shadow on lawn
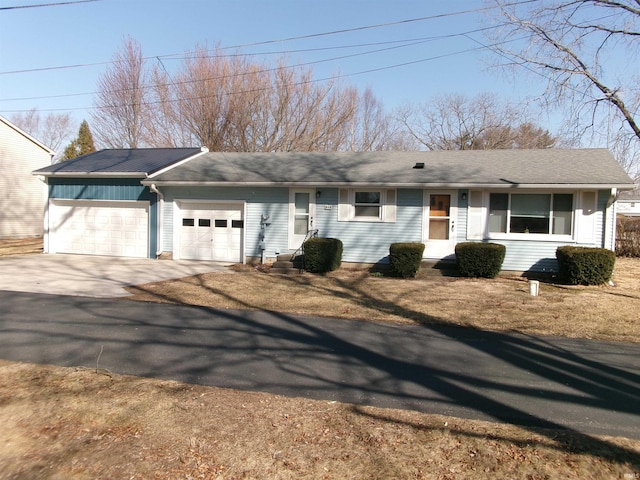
x: 565, y: 377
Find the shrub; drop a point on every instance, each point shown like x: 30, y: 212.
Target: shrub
x: 585, y: 266
x: 322, y: 254
x: 479, y: 259
x: 405, y: 258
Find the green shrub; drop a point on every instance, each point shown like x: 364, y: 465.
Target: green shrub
x: 585, y: 266
x: 405, y: 258
x: 322, y: 254
x: 479, y: 259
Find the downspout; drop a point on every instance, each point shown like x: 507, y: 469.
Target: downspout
x: 155, y: 190
x: 610, y: 222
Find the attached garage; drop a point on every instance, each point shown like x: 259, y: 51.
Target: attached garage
x: 209, y: 231
x: 93, y: 227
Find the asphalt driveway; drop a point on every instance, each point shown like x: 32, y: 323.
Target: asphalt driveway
x: 568, y: 384
x: 92, y: 276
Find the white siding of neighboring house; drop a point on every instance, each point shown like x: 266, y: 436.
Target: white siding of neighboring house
x: 628, y: 207
x: 23, y: 196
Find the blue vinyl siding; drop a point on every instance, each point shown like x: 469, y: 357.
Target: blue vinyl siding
x: 271, y: 201
x: 364, y: 242
x: 368, y: 242
x: 97, y: 189
x: 112, y: 189
x: 540, y: 255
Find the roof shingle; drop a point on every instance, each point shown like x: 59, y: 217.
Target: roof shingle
x: 469, y: 167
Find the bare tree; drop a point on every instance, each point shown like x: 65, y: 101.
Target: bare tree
x: 120, y: 115
x: 164, y: 125
x: 52, y: 130
x: 581, y: 48
x: 456, y: 122
x: 228, y: 102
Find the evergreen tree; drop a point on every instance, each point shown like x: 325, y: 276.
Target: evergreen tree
x: 81, y: 145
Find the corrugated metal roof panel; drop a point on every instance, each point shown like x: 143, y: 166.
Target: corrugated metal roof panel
x: 121, y: 161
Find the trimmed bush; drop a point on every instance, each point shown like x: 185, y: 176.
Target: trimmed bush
x: 476, y: 259
x: 405, y: 258
x: 584, y: 265
x: 322, y: 255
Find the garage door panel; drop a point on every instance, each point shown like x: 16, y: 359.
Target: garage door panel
x: 99, y: 228
x: 210, y: 231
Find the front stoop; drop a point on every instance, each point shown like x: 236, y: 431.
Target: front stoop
x: 287, y: 264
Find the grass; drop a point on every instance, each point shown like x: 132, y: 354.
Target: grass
x: 78, y: 423
x: 70, y: 423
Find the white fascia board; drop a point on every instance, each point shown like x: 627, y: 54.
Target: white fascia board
x: 497, y: 186
x: 91, y: 174
x: 202, y: 151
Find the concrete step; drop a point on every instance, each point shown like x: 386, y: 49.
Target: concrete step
x: 287, y: 264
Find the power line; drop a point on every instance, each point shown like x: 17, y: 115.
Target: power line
x: 288, y: 39
x: 313, y: 80
x: 48, y: 4
x: 405, y: 43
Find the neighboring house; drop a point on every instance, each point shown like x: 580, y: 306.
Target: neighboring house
x: 628, y: 203
x: 23, y: 199
x: 240, y: 207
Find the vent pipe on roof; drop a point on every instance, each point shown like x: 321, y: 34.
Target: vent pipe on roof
x: 419, y: 165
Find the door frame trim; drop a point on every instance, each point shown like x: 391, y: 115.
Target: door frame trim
x: 453, y: 217
x: 292, y: 243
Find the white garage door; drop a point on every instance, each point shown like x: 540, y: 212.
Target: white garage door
x: 210, y: 231
x: 91, y: 227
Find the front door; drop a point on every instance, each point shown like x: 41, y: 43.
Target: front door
x: 440, y: 223
x: 301, y: 213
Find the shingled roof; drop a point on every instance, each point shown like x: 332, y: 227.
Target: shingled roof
x: 495, y: 168
x: 136, y: 162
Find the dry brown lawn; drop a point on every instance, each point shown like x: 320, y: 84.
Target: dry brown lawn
x: 77, y: 423
x: 69, y: 423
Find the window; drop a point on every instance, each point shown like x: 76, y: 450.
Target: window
x: 220, y: 223
x: 204, y: 222
x: 533, y: 213
x: 360, y: 205
x: 188, y: 222
x: 367, y: 204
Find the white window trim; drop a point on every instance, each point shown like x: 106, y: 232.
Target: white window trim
x: 548, y: 237
x: 387, y: 211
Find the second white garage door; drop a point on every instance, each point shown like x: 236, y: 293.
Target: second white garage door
x: 210, y: 231
x: 94, y: 227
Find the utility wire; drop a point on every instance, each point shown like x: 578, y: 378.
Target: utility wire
x: 48, y: 4
x: 289, y: 39
x: 406, y: 43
